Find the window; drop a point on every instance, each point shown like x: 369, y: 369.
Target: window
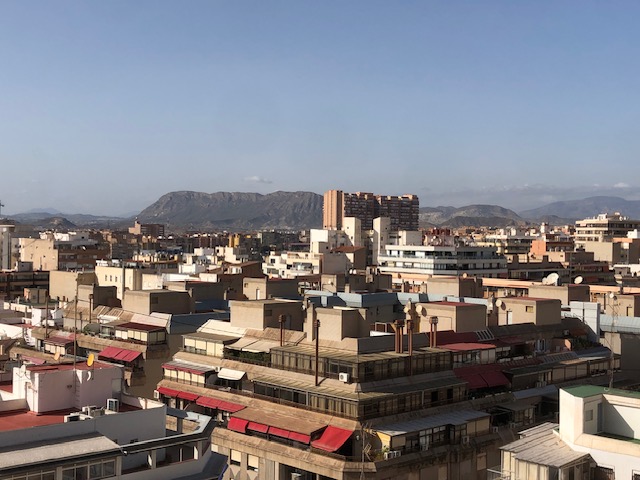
x: 235, y: 457
x: 252, y: 463
x: 529, y: 308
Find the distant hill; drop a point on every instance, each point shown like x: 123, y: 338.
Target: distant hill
x: 587, y: 207
x: 236, y: 210
x: 65, y: 221
x: 297, y: 210
x: 472, y: 216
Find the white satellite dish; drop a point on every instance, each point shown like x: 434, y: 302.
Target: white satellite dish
x: 498, y: 303
x: 465, y: 275
x: 578, y: 280
x: 552, y: 279
x: 612, y: 296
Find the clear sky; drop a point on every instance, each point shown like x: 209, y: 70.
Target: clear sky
x: 107, y: 105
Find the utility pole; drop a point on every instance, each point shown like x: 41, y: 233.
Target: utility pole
x: 614, y: 314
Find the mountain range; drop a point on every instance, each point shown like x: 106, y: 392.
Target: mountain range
x: 186, y: 210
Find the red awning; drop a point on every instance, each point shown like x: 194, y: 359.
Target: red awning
x: 168, y: 392
x: 258, y: 427
x: 188, y: 396
x: 475, y: 381
x: 238, y: 424
x: 279, y: 432
x: 230, y: 407
x: 332, y: 439
x: 34, y: 360
x: 300, y: 437
x: 208, y: 402
x: 60, y: 341
x: 495, y: 379
x: 122, y: 354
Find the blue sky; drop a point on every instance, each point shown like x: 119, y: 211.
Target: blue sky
x: 106, y: 106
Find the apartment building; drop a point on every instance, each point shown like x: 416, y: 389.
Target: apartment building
x: 6, y: 231
x: 596, y: 438
x: 306, y: 390
x: 404, y: 262
x: 154, y: 230
x: 604, y: 228
x: 403, y: 210
x: 71, y: 421
x: 507, y: 242
x: 63, y: 251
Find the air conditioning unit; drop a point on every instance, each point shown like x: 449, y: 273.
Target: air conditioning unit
x: 465, y: 440
x: 113, y: 404
x: 494, y: 429
x: 72, y: 417
x: 392, y: 454
x: 156, y: 395
x: 343, y: 377
x: 88, y: 410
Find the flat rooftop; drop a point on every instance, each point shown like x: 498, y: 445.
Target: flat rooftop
x: 21, y: 419
x: 585, y: 391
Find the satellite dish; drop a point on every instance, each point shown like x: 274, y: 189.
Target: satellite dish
x: 465, y: 275
x: 407, y: 307
x: 499, y: 303
x: 91, y: 359
x: 612, y: 296
x: 423, y: 311
x: 552, y: 279
x: 56, y: 357
x: 578, y: 280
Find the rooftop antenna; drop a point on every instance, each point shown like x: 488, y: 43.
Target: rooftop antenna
x: 1, y: 205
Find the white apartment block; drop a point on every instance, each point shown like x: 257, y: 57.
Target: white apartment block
x: 598, y: 437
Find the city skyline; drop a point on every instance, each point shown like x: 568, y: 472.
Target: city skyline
x: 106, y: 107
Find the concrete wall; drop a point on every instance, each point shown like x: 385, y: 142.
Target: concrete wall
x: 260, y: 314
x: 122, y: 278
x: 59, y: 387
x: 456, y: 286
x: 459, y: 318
x: 63, y: 285
x: 338, y: 323
x: 263, y: 288
x: 162, y: 301
x: 564, y: 293
x: 524, y: 310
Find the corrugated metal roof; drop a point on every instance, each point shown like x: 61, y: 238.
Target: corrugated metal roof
x: 620, y: 324
x: 457, y: 417
x: 542, y: 446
